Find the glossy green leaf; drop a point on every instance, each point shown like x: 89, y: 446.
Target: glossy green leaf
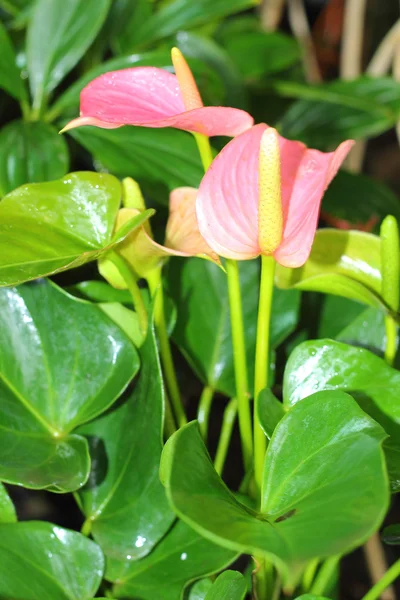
x: 366, y: 330
x: 203, y: 330
x: 125, y: 318
x: 184, y: 14
x: 198, y: 590
x: 270, y: 412
x: 258, y: 54
x: 391, y: 535
x: 59, y: 33
x: 357, y: 198
x: 10, y: 75
x: 206, y: 49
x: 124, y: 499
x: 7, y: 509
x: 50, y: 227
x: 230, y: 585
x: 62, y: 363
x: 324, y: 453
x: 330, y: 365
x: 41, y: 560
x: 181, y: 557
x: 167, y: 156
x: 343, y: 263
x: 340, y: 110
x: 30, y: 152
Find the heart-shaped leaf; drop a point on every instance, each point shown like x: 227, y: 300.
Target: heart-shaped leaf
x: 41, y: 560
x: 344, y: 263
x: 7, y: 509
x: 124, y: 500
x: 230, y: 585
x: 62, y: 363
x: 325, y: 452
x: 30, y: 152
x: 50, y: 227
x: 59, y: 33
x: 330, y: 365
x: 181, y: 557
x: 203, y: 329
x: 166, y: 156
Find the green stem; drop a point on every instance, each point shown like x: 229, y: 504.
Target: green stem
x: 309, y: 574
x: 262, y: 360
x: 390, y: 267
x: 389, y: 577
x: 203, y: 412
x: 155, y: 283
x: 325, y: 576
x: 391, y: 339
x: 87, y: 527
x: 130, y: 280
x: 203, y: 144
x: 239, y: 359
x: 169, y: 421
x: 225, y: 435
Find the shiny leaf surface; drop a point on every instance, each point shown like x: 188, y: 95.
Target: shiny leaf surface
x: 30, y: 152
x: 181, y: 557
x: 344, y: 263
x: 230, y: 585
x: 52, y: 380
x: 203, y: 330
x: 59, y: 33
x: 323, y: 454
x: 124, y: 498
x: 50, y: 227
x: 41, y: 560
x: 329, y: 365
x: 7, y: 509
x: 270, y: 412
x: 165, y: 156
x: 10, y: 76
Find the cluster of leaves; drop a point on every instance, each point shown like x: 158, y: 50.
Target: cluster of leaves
x: 83, y: 399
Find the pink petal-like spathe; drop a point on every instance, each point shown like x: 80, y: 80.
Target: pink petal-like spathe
x: 306, y: 174
x: 151, y: 97
x: 228, y: 198
x: 227, y: 202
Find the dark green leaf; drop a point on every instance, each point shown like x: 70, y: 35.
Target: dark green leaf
x: 196, y: 46
x: 124, y: 499
x: 59, y: 33
x: 323, y: 454
x: 230, y: 585
x: 326, y: 364
x: 258, y: 54
x: 367, y: 330
x: 63, y: 362
x: 168, y: 156
x: 343, y: 263
x: 124, y: 18
x: 391, y: 535
x: 30, y: 152
x: 203, y: 329
x: 181, y: 557
x: 10, y: 76
x: 335, y: 314
x: 7, y: 509
x: 100, y: 291
x: 41, y: 560
x: 333, y: 112
x: 357, y: 198
x: 270, y: 412
x: 50, y: 227
x: 184, y: 14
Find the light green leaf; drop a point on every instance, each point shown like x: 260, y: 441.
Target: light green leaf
x: 270, y: 412
x: 230, y: 585
x: 59, y: 33
x: 181, y: 557
x: 10, y: 76
x: 7, y: 509
x: 323, y: 454
x: 41, y: 560
x: 62, y: 363
x: 30, y: 152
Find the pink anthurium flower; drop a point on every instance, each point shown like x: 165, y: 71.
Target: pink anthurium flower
x: 182, y: 238
x: 262, y: 195
x: 152, y: 97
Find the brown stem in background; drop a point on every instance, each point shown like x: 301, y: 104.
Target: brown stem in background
x: 377, y: 565
x: 271, y: 14
x: 352, y: 42
x: 396, y: 76
x: 301, y: 31
x: 385, y: 53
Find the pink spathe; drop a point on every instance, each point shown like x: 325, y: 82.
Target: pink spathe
x: 151, y: 97
x: 227, y: 204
